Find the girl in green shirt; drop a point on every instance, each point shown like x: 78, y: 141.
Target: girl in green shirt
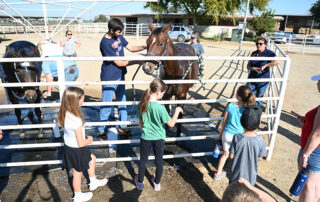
x: 153, y: 117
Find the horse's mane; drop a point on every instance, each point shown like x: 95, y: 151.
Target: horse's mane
x: 157, y: 31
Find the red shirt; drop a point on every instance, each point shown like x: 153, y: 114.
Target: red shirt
x: 308, y: 126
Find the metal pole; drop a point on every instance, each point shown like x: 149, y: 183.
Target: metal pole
x: 244, y: 24
x: 45, y: 19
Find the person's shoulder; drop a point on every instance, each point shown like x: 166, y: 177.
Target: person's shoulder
x: 269, y: 52
x: 231, y: 106
x: 72, y: 117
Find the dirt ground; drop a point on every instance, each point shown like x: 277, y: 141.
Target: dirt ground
x: 184, y: 179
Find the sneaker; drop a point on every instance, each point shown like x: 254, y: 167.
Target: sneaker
x: 139, y: 185
x: 97, y: 183
x: 156, y: 186
x: 218, y: 177
x: 83, y: 197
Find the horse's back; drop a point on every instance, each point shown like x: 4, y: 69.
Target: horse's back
x: 184, y: 49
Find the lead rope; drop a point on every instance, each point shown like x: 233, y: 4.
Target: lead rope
x: 201, y: 70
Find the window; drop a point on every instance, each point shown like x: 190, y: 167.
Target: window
x: 176, y: 29
x: 182, y: 29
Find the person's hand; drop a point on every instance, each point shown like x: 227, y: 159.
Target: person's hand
x: 90, y: 139
x: 145, y: 46
x: 84, y: 83
x: 256, y: 69
x: 179, y: 110
x: 303, y: 162
x: 263, y: 67
x: 1, y: 135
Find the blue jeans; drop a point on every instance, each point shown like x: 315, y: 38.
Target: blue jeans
x: 313, y: 161
x: 258, y: 88
x: 107, y: 95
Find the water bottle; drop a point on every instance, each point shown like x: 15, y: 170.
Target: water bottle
x: 56, y: 131
x: 216, y: 151
x: 299, y: 182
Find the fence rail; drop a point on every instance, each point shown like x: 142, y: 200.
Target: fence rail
x: 274, y: 99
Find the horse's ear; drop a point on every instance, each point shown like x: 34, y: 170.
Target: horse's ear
x: 167, y: 28
x: 151, y: 27
x: 11, y: 52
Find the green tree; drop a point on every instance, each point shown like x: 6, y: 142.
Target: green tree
x: 196, y: 8
x: 100, y: 18
x: 263, y: 23
x: 315, y: 10
x: 192, y: 8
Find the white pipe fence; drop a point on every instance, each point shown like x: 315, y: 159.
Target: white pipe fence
x: 274, y: 100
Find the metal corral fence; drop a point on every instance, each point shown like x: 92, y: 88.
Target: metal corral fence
x: 274, y: 99
x: 304, y: 44
x: 83, y: 30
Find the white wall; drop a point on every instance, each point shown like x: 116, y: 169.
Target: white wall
x: 210, y: 31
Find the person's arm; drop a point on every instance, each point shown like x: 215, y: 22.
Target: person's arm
x: 262, y: 195
x: 251, y: 68
x: 313, y: 140
x: 82, y: 142
x: 78, y: 44
x: 135, y: 48
x: 124, y: 63
x: 63, y: 42
x: 224, y: 121
x: 174, y: 119
x: 270, y: 64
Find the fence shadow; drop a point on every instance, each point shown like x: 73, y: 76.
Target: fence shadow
x: 44, y: 172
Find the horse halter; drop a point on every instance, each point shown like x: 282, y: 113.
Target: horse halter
x: 164, y: 52
x: 26, y: 67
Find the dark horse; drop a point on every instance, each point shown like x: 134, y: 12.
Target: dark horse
x: 159, y: 44
x: 20, y: 72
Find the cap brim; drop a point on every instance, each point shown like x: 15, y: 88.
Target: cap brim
x: 315, y: 78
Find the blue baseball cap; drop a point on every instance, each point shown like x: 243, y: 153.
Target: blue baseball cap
x: 315, y: 77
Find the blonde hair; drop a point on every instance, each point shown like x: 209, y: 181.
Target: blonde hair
x: 246, y: 95
x: 155, y: 86
x: 70, y: 103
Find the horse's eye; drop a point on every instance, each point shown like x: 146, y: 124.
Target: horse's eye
x: 161, y: 43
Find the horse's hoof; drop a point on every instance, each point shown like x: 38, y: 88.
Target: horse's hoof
x: 22, y: 135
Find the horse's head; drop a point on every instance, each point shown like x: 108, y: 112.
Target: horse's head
x: 157, y: 43
x: 22, y: 72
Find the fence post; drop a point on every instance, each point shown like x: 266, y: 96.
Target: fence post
x: 279, y: 107
x: 62, y: 85
x: 137, y: 31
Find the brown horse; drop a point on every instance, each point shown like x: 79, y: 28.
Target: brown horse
x: 159, y: 44
x: 20, y: 72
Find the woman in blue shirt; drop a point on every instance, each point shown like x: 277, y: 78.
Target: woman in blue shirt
x: 261, y: 68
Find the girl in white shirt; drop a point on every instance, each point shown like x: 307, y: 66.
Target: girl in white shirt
x: 77, y: 157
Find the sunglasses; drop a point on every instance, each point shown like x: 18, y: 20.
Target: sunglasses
x: 260, y: 44
x: 69, y: 34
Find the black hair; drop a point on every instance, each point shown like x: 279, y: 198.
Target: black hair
x: 115, y: 24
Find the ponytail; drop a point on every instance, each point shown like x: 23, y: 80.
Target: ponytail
x: 144, y: 101
x: 246, y: 95
x: 155, y: 86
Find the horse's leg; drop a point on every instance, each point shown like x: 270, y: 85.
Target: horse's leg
x: 14, y: 100
x: 38, y: 113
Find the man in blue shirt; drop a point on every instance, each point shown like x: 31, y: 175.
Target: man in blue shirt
x: 112, y: 44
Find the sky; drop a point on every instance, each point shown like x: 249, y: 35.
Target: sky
x: 299, y: 7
